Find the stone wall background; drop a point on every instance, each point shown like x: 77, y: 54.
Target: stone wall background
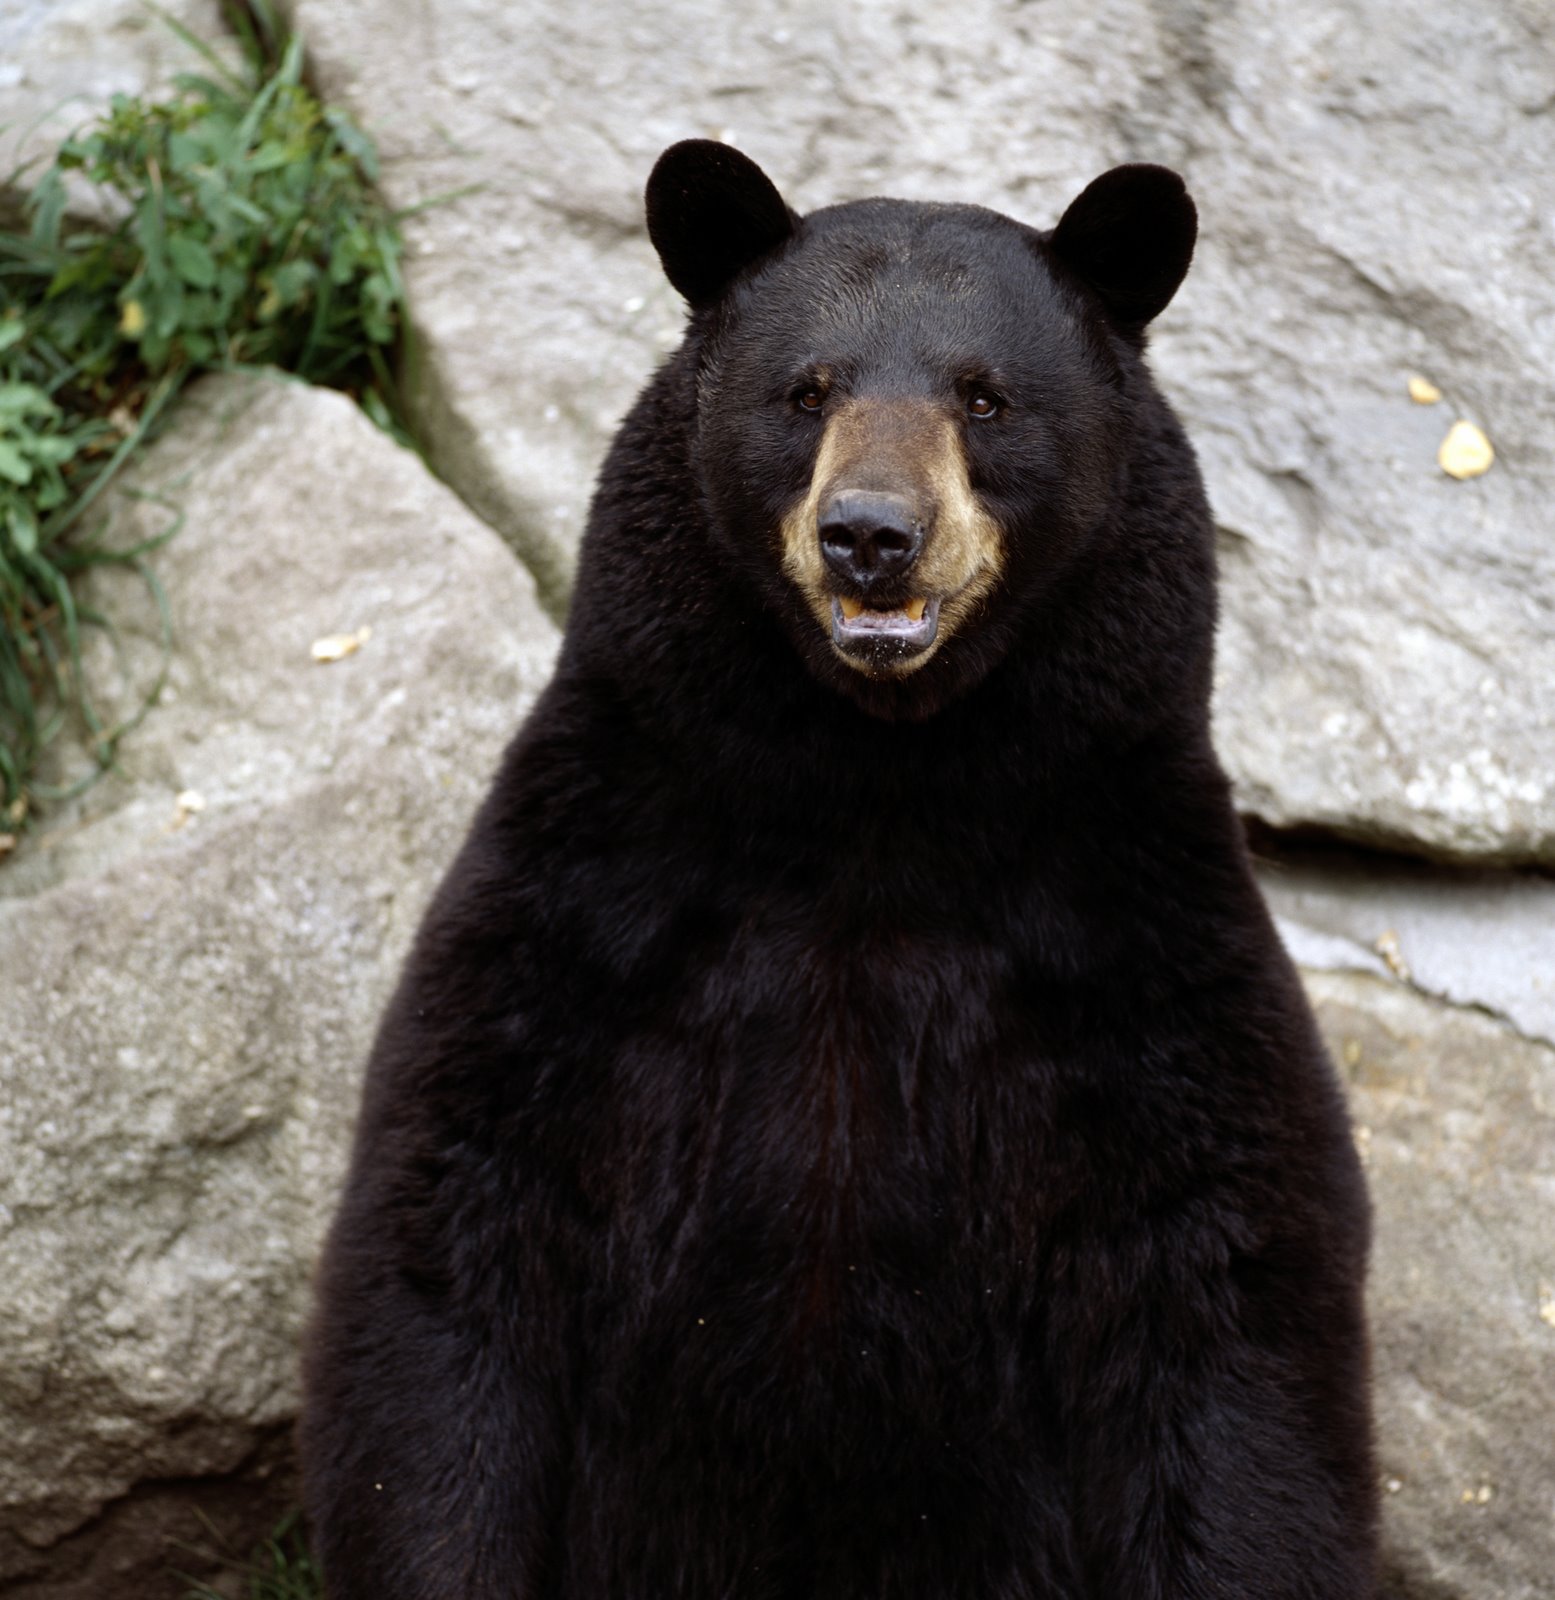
x: 188, y: 987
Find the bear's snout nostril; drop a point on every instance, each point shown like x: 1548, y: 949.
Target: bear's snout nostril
x: 869, y: 536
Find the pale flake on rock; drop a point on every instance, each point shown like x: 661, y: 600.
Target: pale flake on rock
x: 1465, y: 452
x: 337, y: 646
x: 1387, y: 946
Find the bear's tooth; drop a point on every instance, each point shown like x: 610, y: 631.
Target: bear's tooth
x: 850, y: 608
x: 915, y: 609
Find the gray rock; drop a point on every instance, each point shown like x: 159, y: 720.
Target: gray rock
x: 1374, y: 183
x: 1478, y: 939
x: 1455, y: 1116
x: 191, y: 983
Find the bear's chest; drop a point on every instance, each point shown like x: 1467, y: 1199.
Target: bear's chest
x: 828, y: 1147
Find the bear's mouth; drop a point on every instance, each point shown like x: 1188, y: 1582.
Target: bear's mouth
x: 857, y: 629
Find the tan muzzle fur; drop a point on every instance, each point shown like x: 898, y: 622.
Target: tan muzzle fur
x: 910, y: 448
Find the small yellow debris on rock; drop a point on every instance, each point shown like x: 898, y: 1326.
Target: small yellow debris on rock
x: 337, y: 646
x: 1352, y: 1052
x: 185, y: 805
x: 132, y: 319
x: 1362, y: 1137
x: 1387, y: 947
x: 1547, y: 1304
x: 1465, y: 452
x: 1422, y: 391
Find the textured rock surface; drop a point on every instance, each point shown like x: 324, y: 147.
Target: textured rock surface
x: 1455, y: 1116
x: 1374, y: 183
x: 61, y: 61
x: 1478, y: 939
x: 186, y: 1008
x: 1455, y: 1111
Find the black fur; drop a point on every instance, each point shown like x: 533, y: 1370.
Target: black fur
x: 845, y: 1139
x: 1130, y: 236
x: 711, y: 211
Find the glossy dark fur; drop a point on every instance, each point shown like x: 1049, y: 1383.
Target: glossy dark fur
x: 838, y: 1140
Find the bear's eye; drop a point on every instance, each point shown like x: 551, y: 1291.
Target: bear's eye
x: 811, y: 399
x: 982, y: 404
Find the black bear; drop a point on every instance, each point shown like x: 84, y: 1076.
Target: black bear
x: 847, y: 1128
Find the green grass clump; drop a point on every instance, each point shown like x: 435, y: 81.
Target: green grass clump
x: 281, y: 1569
x: 249, y: 234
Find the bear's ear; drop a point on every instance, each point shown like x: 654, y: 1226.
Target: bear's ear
x: 712, y: 211
x: 1130, y: 236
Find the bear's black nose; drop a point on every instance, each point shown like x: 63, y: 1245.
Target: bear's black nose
x: 869, y: 536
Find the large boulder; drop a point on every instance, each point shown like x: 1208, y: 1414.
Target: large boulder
x: 196, y: 953
x: 1455, y: 1116
x: 1436, y: 992
x: 1369, y: 178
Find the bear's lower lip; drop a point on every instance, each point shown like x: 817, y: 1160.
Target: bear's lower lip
x: 895, y: 630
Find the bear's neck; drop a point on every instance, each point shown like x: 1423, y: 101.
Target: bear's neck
x: 1095, y: 718
x: 745, y: 747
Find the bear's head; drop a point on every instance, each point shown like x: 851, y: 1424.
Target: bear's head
x: 911, y: 418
